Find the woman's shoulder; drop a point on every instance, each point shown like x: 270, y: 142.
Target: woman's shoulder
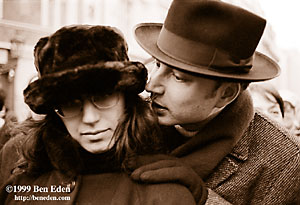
x: 117, y: 188
x: 12, y: 150
x: 161, y: 193
x: 15, y: 141
x: 11, y: 158
x: 48, y: 186
x: 166, y: 193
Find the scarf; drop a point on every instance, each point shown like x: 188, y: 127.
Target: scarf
x: 98, y: 163
x: 209, y: 146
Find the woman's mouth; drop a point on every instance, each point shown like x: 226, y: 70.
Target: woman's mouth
x: 95, y: 136
x: 96, y: 132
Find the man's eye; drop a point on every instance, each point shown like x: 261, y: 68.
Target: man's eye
x: 178, y: 78
x: 274, y: 112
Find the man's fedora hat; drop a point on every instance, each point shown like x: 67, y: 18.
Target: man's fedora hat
x: 209, y: 37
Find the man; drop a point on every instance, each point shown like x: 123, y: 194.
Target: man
x: 291, y: 106
x: 8, y: 120
x: 2, y: 107
x: 267, y: 100
x: 205, y: 56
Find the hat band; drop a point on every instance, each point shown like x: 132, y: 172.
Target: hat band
x: 199, y: 54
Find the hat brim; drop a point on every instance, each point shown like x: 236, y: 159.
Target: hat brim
x: 49, y: 91
x: 263, y: 68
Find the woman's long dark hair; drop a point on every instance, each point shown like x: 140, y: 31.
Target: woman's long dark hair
x: 49, y: 145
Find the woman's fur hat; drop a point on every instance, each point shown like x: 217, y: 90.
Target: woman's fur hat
x: 82, y: 59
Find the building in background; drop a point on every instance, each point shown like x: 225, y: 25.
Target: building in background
x: 23, y: 22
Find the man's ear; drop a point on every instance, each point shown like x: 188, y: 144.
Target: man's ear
x: 228, y: 93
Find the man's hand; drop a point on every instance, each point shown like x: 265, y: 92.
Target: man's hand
x: 167, y: 169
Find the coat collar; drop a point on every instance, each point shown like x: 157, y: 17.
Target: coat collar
x: 214, y: 142
x: 230, y: 164
x: 241, y: 150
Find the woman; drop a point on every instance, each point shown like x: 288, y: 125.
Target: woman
x: 95, y: 124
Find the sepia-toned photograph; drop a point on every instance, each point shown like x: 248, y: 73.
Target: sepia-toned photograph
x: 150, y: 102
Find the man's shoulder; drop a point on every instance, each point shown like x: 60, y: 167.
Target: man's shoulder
x: 268, y: 137
x: 272, y: 131
x: 265, y: 163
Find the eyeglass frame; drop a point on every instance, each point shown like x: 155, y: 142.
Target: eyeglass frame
x: 91, y: 99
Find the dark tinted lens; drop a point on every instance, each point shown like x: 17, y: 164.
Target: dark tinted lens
x: 71, y: 108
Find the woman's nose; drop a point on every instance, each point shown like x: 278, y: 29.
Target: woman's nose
x: 90, y: 114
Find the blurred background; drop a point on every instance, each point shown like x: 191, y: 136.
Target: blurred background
x: 23, y: 22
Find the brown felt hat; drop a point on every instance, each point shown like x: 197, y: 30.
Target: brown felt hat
x: 211, y: 38
x: 82, y: 59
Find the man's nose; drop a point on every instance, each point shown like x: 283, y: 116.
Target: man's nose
x: 90, y: 113
x: 155, y: 82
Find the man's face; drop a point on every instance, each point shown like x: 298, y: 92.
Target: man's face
x: 290, y: 120
x: 181, y: 98
x: 266, y: 103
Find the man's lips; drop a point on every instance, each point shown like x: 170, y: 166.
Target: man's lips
x: 158, y: 106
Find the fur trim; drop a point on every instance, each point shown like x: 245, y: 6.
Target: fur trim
x: 44, y: 94
x: 82, y: 59
x: 79, y: 45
